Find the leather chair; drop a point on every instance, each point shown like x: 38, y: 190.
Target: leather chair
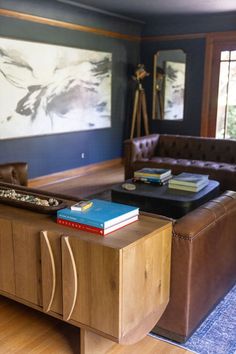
x: 14, y: 173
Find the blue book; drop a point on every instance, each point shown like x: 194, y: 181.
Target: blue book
x: 102, y: 214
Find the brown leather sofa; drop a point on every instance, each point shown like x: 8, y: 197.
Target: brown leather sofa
x: 203, y: 265
x: 216, y: 157
x: 14, y: 172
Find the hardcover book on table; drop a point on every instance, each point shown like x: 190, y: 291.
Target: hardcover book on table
x: 97, y: 230
x: 102, y: 214
x: 188, y: 188
x: 153, y: 172
x: 153, y: 180
x: 189, y: 179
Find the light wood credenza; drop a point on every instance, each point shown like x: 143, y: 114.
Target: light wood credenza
x: 115, y: 288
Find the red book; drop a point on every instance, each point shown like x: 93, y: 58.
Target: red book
x: 96, y: 230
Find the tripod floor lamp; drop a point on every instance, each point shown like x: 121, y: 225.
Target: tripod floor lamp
x: 140, y: 105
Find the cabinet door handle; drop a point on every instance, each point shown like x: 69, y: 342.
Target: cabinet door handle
x: 70, y: 285
x: 48, y: 272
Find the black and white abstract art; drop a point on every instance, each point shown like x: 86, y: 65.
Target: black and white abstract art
x: 174, y: 90
x: 49, y: 89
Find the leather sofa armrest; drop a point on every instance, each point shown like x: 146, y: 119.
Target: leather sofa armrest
x: 192, y: 224
x: 203, y: 264
x: 14, y: 173
x: 137, y: 149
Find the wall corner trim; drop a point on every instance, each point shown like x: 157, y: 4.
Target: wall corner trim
x: 171, y: 37
x: 66, y: 25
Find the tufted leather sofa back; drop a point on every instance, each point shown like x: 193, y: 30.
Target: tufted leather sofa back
x: 14, y: 172
x: 196, y: 148
x: 141, y: 148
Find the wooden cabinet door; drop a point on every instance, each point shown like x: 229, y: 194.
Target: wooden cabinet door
x: 7, y: 268
x: 51, y: 271
x: 145, y: 284
x: 91, y: 284
x: 26, y: 243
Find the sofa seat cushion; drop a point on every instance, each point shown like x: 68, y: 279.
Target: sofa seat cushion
x: 220, y: 171
x: 199, y: 163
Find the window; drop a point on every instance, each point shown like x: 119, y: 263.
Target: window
x: 219, y: 92
x: 226, y: 105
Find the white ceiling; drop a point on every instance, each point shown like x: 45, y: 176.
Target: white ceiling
x: 142, y: 9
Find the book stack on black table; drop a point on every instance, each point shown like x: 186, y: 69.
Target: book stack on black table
x: 192, y: 182
x: 158, y: 176
x: 102, y: 218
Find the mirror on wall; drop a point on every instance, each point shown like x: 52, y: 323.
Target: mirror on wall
x: 169, y: 84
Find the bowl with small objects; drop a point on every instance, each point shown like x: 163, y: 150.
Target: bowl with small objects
x: 30, y: 200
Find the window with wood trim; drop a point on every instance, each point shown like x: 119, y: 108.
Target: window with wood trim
x: 219, y: 99
x: 226, y: 103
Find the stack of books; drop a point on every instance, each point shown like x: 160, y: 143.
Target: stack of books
x: 192, y: 182
x: 157, y: 176
x: 103, y: 217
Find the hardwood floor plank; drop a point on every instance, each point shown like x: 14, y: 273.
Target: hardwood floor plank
x: 150, y: 345
x: 23, y: 331
x: 82, y: 186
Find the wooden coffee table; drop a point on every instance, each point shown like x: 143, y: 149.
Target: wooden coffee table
x: 162, y: 200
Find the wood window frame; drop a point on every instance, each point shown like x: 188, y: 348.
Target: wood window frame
x: 215, y: 43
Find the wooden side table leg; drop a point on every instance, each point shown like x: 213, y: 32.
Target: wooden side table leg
x: 92, y: 343
x: 134, y: 116
x: 144, y: 111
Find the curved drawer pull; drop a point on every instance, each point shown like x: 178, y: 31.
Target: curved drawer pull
x: 48, y: 272
x: 70, y: 285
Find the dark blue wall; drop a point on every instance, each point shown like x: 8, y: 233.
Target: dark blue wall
x: 194, y: 50
x: 172, y: 25
x: 48, y: 154
x: 53, y: 153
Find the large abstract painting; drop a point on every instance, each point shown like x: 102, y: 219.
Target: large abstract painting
x: 48, y: 89
x: 174, y: 90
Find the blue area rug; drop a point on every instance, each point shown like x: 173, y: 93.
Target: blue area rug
x: 217, y: 334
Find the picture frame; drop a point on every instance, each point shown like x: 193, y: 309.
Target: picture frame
x: 52, y: 88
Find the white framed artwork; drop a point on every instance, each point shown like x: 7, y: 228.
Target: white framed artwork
x: 50, y: 89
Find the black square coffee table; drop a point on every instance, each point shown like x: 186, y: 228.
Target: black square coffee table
x: 161, y: 200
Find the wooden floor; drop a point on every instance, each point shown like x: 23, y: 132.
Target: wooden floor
x: 87, y: 184
x: 27, y: 331
x: 23, y: 330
